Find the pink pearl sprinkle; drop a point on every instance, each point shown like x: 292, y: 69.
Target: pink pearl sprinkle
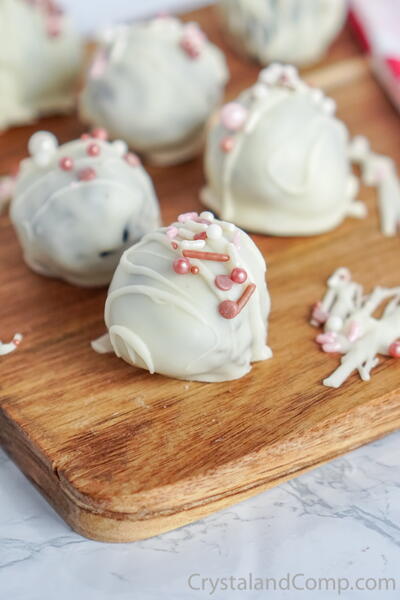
x: 66, y: 163
x: 227, y: 144
x: 394, y: 349
x: 85, y: 136
x: 238, y: 275
x: 233, y: 116
x: 223, y: 282
x: 193, y: 40
x: 172, y: 232
x: 93, y: 150
x: 87, y: 174
x: 99, y: 133
x: 189, y: 216
x: 326, y: 338
x: 132, y: 159
x: 228, y: 309
x: 181, y: 266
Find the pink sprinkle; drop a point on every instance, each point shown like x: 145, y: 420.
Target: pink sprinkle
x: 181, y: 266
x: 223, y: 282
x: 132, y: 159
x: 238, y: 275
x: 227, y: 144
x: 318, y: 314
x: 332, y: 348
x: 354, y: 331
x: 233, y: 116
x: 228, y: 309
x: 66, y: 163
x: 189, y: 216
x: 171, y: 232
x: 202, y: 221
x: 99, y: 65
x: 193, y: 40
x: 394, y: 349
x: 326, y: 338
x: 87, y: 174
x: 93, y: 150
x: 174, y: 245
x: 236, y: 239
x: 200, y: 236
x: 99, y: 133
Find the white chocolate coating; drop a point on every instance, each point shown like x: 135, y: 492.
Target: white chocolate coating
x: 283, y: 168
x: 75, y: 224
x: 154, y: 85
x: 40, y: 59
x: 293, y: 31
x: 351, y: 329
x: 169, y: 323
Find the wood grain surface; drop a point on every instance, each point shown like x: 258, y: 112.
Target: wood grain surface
x: 123, y: 455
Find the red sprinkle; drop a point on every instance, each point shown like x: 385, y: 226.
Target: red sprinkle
x: 195, y: 270
x: 200, y: 236
x: 93, y: 150
x: 66, y: 163
x: 223, y: 282
x: 174, y: 245
x: 87, y: 174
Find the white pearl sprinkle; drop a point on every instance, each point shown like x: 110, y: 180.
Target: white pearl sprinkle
x: 317, y: 95
x: 207, y: 215
x: 120, y: 147
x: 334, y: 323
x: 42, y: 142
x: 214, y: 232
x: 329, y: 106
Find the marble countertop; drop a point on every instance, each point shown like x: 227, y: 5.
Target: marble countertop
x: 341, y: 521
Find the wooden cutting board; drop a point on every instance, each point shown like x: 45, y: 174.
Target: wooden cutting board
x: 123, y: 455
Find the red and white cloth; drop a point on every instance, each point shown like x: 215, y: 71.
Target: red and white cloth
x: 377, y: 25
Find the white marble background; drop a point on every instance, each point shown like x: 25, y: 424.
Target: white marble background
x: 341, y: 520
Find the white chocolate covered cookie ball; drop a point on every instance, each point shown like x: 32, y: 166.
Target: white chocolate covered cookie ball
x: 293, y: 31
x: 190, y: 301
x: 40, y: 59
x: 277, y: 159
x: 78, y: 206
x: 155, y: 85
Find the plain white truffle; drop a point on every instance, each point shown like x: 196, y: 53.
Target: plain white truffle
x: 293, y: 31
x: 155, y: 85
x: 78, y: 206
x: 277, y: 159
x: 172, y: 323
x: 40, y: 61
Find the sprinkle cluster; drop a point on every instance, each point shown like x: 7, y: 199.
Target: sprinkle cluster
x: 234, y: 116
x: 53, y: 15
x: 188, y: 238
x: 43, y: 146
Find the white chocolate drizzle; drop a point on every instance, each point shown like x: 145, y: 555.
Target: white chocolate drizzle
x: 350, y: 328
x: 380, y: 171
x: 148, y: 272
x: 7, y: 348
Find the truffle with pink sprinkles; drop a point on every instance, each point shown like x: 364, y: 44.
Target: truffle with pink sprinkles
x: 350, y: 329
x: 190, y: 301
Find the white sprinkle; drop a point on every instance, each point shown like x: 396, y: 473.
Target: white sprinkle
x: 214, y: 232
x: 120, y: 147
x: 207, y: 215
x: 192, y: 244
